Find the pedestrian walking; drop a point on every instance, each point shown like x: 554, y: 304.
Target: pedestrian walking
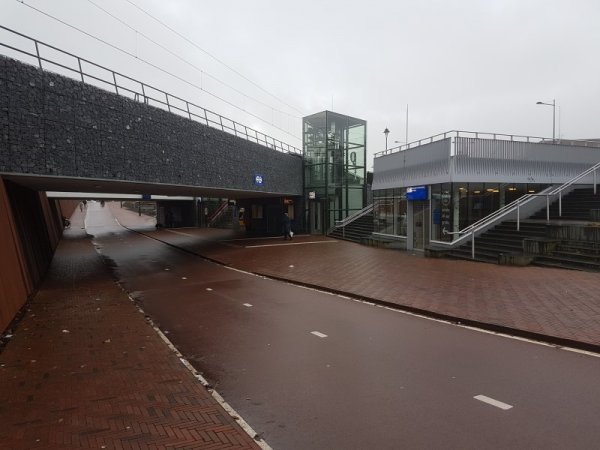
x: 287, y: 227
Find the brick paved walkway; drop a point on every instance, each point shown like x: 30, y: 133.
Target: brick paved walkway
x: 557, y: 305
x: 85, y: 370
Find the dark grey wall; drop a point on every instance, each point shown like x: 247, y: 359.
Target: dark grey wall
x: 53, y: 125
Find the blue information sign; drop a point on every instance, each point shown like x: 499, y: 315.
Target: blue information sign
x: 416, y: 193
x: 259, y: 180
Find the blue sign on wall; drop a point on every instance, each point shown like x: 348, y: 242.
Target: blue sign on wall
x: 416, y: 193
x: 259, y: 180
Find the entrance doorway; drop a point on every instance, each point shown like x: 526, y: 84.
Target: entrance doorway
x: 315, y: 217
x: 420, y: 224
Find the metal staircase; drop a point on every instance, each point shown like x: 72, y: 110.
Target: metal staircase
x: 355, y: 227
x: 502, y: 239
x: 566, y: 253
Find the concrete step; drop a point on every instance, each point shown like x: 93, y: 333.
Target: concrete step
x: 568, y: 263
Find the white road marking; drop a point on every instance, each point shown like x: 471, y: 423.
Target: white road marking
x: 184, y: 278
x: 316, y: 333
x: 407, y: 313
x: 232, y: 412
x: 183, y: 234
x: 491, y: 401
x: 291, y: 243
x: 247, y: 305
x: 252, y: 239
x: 209, y: 289
x: 583, y: 352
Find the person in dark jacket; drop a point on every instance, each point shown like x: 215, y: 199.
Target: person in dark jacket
x: 287, y: 227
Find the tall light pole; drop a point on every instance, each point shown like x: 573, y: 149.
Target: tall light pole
x: 386, y: 132
x: 553, y: 104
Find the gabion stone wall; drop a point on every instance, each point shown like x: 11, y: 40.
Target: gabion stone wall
x: 54, y: 125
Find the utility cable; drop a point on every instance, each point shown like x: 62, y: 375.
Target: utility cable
x: 156, y: 67
x: 189, y: 41
x: 189, y: 63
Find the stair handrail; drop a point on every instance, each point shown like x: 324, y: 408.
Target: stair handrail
x: 352, y: 217
x: 569, y: 183
x: 494, y: 217
x: 490, y: 219
x: 217, y: 212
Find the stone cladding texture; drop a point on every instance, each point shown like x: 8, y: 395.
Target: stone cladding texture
x: 54, y: 125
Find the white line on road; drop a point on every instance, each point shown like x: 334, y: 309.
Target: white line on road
x: 209, y: 289
x: 398, y: 310
x: 232, y: 412
x: 583, y: 352
x: 318, y: 334
x: 252, y: 238
x: 491, y: 401
x: 247, y: 305
x: 183, y: 234
x: 291, y: 243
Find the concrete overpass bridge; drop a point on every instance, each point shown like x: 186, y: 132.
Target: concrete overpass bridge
x: 68, y: 135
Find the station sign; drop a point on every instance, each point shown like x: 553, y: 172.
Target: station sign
x: 259, y: 180
x: 417, y: 193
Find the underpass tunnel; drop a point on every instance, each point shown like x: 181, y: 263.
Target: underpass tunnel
x: 32, y: 224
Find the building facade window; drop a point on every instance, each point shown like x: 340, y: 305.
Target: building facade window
x: 453, y: 206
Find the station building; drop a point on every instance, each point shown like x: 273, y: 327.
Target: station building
x: 426, y: 191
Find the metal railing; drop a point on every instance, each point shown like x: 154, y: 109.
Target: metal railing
x: 489, y: 220
x: 480, y: 135
x: 217, y: 213
x: 351, y: 218
x: 141, y: 91
x: 558, y: 191
x: 514, y: 206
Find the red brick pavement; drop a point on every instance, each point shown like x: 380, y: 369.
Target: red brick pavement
x: 85, y: 370
x: 562, y: 306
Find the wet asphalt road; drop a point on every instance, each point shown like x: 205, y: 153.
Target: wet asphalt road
x: 368, y: 377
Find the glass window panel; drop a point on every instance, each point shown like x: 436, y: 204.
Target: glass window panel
x: 355, y: 199
x: 384, y: 216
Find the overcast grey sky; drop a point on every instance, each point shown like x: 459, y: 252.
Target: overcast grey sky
x: 462, y: 65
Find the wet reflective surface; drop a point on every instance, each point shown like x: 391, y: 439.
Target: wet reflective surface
x: 368, y: 378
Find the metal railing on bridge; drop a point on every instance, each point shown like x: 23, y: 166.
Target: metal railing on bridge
x: 147, y: 94
x: 481, y: 135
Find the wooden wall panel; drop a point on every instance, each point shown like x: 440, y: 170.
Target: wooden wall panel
x: 15, y: 284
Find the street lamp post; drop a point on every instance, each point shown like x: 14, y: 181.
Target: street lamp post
x: 386, y: 132
x: 553, y: 104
